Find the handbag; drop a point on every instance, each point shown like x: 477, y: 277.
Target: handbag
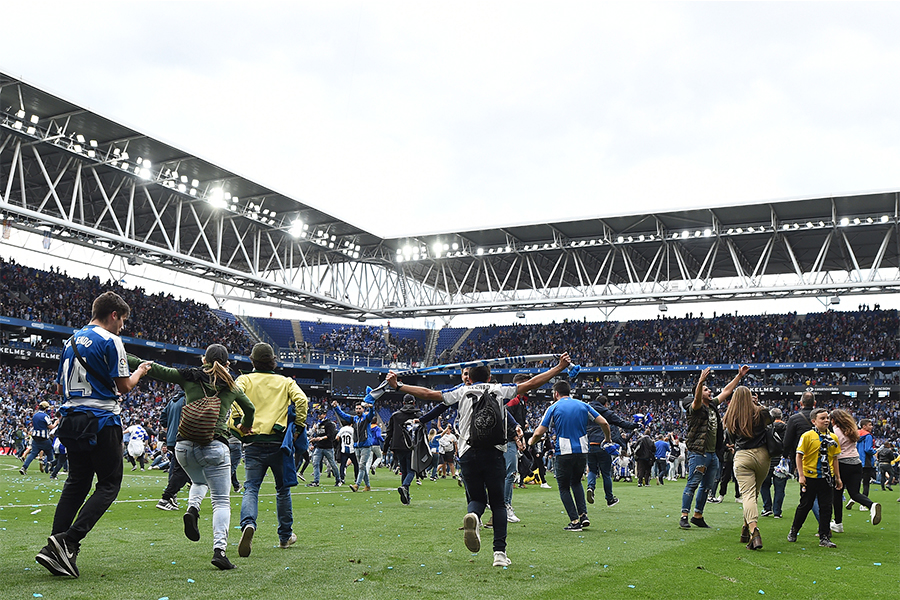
x: 199, y: 418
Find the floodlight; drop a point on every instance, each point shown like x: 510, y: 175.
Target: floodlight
x: 437, y: 247
x: 20, y: 113
x: 195, y: 183
x: 480, y: 251
x: 884, y: 218
x: 80, y: 138
x: 845, y: 221
x: 34, y: 119
x: 182, y: 188
x: 620, y: 239
x: 455, y: 246
x: 30, y: 130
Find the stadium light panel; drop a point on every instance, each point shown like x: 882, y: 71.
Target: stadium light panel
x: 20, y: 113
x: 884, y: 218
x: 30, y: 130
x: 34, y: 119
x: 79, y: 138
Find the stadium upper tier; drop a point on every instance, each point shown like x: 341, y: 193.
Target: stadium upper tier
x: 861, y: 335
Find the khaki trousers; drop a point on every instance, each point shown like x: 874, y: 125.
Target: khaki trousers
x: 750, y: 469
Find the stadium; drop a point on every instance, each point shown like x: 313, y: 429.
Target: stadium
x: 135, y: 206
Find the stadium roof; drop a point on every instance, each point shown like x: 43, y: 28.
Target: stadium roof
x: 81, y: 177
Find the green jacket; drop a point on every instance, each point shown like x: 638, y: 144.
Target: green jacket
x: 196, y: 386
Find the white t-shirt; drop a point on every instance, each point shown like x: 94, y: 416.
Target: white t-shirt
x: 465, y: 395
x: 345, y: 435
x: 445, y: 443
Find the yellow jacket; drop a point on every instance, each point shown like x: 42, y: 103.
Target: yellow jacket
x: 271, y: 394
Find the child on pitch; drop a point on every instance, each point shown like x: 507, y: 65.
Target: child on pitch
x: 819, y: 475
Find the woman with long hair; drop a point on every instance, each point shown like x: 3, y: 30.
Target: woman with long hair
x: 746, y: 422
x: 851, y: 470
x: 208, y: 465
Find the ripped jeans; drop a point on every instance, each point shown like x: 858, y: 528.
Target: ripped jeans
x: 702, y: 468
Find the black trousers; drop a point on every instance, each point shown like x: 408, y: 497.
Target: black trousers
x: 816, y: 487
x: 342, y: 464
x: 177, y: 478
x: 484, y: 474
x: 103, y: 460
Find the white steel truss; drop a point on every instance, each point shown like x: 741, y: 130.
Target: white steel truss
x: 50, y: 185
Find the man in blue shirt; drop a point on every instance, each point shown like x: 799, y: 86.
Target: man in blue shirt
x: 92, y: 380
x: 41, y: 424
x: 661, y: 454
x: 364, y: 438
x: 569, y: 419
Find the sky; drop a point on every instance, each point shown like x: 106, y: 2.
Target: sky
x: 422, y: 117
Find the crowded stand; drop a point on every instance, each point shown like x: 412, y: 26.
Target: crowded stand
x: 54, y: 297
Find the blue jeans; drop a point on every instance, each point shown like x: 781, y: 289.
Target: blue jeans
x: 363, y: 455
x: 38, y: 444
x: 209, y: 467
x: 569, y: 469
x: 234, y: 448
x: 702, y: 469
x: 600, y: 461
x: 770, y: 503
x: 327, y: 454
x: 483, y: 473
x: 512, y: 467
x: 258, y: 458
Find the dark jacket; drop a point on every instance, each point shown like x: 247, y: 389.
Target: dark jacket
x: 645, y: 449
x: 698, y: 426
x: 595, y: 432
x: 326, y: 428
x: 395, y: 438
x: 763, y: 419
x: 797, y: 425
x: 518, y: 409
x: 171, y: 416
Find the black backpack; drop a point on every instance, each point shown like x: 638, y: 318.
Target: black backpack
x: 488, y: 425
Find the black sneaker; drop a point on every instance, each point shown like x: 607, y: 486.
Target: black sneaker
x: 22, y: 471
x: 590, y: 495
x: 573, y: 527
x: 766, y: 513
x: 792, y: 536
x: 585, y: 522
x: 612, y: 501
x: 827, y: 543
x: 313, y: 484
x: 191, y: 529
x: 59, y: 555
x: 699, y: 522
x: 404, y: 494
x: 220, y: 560
x: 684, y: 523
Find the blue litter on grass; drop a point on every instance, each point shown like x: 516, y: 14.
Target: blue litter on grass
x: 439, y: 572
x: 631, y: 586
x: 877, y: 564
x: 164, y: 598
x: 36, y: 595
x: 761, y: 592
x: 390, y: 567
x: 837, y: 569
x: 191, y: 581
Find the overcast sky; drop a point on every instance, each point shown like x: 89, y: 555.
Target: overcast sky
x: 419, y: 117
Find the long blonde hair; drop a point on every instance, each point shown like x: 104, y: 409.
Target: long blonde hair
x: 845, y: 423
x: 742, y: 414
x: 215, y: 362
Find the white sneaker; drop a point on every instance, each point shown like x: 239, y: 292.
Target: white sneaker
x: 511, y: 516
x: 546, y: 486
x: 862, y: 508
x: 501, y: 560
x: 875, y: 511
x: 288, y: 542
x: 837, y: 527
x: 850, y: 504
